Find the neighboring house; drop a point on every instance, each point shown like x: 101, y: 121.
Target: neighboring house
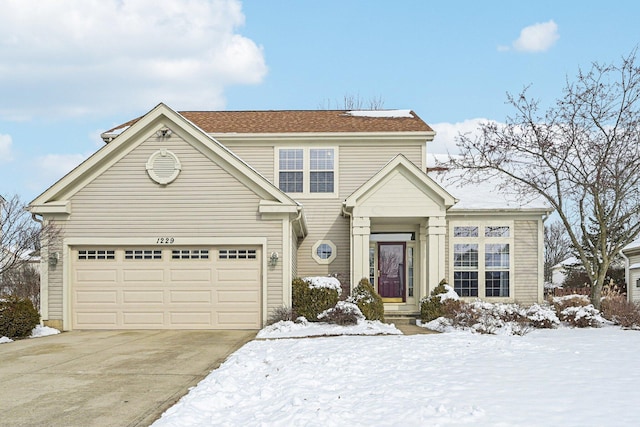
x: 631, y: 253
x: 202, y: 219
x: 560, y: 271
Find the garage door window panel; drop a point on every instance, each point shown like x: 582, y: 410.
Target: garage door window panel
x: 96, y: 254
x: 147, y: 254
x: 237, y: 254
x: 190, y: 254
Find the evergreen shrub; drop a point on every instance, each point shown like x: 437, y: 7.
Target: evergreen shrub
x: 310, y: 301
x: 18, y: 317
x: 368, y: 300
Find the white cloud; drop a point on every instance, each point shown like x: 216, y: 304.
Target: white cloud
x: 446, y: 134
x: 538, y: 37
x: 52, y: 167
x: 5, y: 148
x: 74, y: 57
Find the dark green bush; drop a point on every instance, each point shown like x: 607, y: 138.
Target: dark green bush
x: 432, y: 307
x: 368, y: 301
x: 17, y: 317
x: 310, y: 302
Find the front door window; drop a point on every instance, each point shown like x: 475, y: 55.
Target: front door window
x: 391, y: 271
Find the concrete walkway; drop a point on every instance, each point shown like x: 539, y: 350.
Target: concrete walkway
x: 106, y: 378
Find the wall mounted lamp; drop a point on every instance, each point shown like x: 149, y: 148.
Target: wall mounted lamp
x: 273, y: 259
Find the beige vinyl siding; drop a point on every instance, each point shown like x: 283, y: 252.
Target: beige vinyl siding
x: 55, y: 276
x: 526, y: 261
x: 325, y: 222
x: 259, y: 157
x: 359, y: 162
x: 204, y: 201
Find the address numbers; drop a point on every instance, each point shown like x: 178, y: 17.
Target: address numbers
x: 165, y: 240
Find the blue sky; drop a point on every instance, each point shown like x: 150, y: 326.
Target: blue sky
x: 70, y: 69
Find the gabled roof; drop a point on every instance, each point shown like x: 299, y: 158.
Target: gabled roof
x: 300, y: 121
x: 400, y: 163
x: 55, y: 198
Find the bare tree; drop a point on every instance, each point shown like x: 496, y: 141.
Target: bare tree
x: 582, y: 155
x: 19, y: 242
x: 355, y: 102
x: 557, y: 247
x: 19, y: 234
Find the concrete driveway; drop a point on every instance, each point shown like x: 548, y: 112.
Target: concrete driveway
x: 106, y: 378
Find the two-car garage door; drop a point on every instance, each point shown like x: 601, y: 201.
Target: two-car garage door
x: 166, y: 287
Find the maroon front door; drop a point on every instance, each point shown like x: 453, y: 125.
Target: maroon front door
x: 391, y: 262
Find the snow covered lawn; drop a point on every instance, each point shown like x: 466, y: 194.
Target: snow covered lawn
x: 568, y: 377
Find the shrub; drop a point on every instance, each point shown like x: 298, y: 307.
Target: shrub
x: 542, y: 317
x: 18, y: 317
x: 281, y: 314
x: 344, y: 313
x: 368, y: 301
x: 582, y: 316
x: 617, y: 309
x: 309, y: 301
x: 560, y: 303
x: 432, y: 307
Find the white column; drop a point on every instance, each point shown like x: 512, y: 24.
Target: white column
x: 436, y: 229
x: 423, y: 262
x: 361, y: 229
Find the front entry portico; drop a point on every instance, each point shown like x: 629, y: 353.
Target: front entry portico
x: 400, y: 200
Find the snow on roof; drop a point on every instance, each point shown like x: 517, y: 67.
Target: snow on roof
x: 392, y: 114
x: 633, y: 245
x: 483, y: 195
x: 569, y: 262
x: 634, y: 266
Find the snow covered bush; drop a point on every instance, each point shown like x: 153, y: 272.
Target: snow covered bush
x: 18, y: 317
x: 344, y: 313
x: 434, y: 306
x: 368, y: 300
x: 313, y: 295
x: 582, y: 316
x: 616, y: 308
x: 542, y: 316
x: 577, y: 311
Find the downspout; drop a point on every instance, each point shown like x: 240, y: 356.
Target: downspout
x: 298, y: 220
x: 350, y: 216
x: 626, y: 276
x: 34, y: 216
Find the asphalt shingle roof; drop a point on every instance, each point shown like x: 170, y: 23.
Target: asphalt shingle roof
x: 297, y: 121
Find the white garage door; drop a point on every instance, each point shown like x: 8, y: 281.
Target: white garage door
x: 166, y: 288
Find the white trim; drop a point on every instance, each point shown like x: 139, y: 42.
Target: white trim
x: 482, y: 241
x: 306, y: 170
x: 300, y: 136
x: 316, y: 257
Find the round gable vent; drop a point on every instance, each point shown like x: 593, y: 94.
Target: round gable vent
x: 163, y: 167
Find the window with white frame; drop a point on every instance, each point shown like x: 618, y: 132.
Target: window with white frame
x: 482, y: 264
x: 324, y: 252
x: 307, y: 170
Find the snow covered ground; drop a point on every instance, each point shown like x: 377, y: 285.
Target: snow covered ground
x: 38, y: 331
x: 568, y: 377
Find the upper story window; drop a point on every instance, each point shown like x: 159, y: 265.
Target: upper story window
x: 307, y: 170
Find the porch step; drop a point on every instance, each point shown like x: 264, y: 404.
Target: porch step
x: 401, y: 319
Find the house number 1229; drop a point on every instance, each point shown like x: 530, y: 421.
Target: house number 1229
x: 165, y: 240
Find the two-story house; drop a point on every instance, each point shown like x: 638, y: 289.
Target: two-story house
x: 202, y: 219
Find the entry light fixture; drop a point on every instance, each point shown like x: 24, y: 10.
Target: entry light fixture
x: 273, y: 260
